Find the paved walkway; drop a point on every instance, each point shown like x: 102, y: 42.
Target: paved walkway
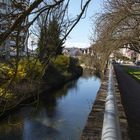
x: 130, y: 94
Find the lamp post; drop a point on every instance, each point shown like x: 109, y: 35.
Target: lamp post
x: 32, y: 44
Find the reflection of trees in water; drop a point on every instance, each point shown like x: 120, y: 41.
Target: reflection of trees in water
x: 71, y: 84
x: 11, y: 126
x: 49, y: 99
x: 87, y: 73
x: 49, y: 102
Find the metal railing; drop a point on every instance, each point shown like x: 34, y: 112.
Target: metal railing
x: 111, y: 127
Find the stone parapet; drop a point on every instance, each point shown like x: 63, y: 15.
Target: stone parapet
x: 93, y: 127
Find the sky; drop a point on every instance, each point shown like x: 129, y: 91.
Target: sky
x: 80, y: 35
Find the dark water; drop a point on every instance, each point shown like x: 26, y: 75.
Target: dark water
x: 60, y: 115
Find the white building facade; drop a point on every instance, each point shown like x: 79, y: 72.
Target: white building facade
x: 8, y: 13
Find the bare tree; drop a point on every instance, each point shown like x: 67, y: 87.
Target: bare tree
x: 118, y: 26
x: 35, y: 10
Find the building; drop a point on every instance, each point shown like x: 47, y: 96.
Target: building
x: 9, y: 11
x: 73, y: 52
x: 131, y: 54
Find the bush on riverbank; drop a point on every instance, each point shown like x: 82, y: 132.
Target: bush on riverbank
x: 62, y: 70
x: 26, y: 82
x: 61, y: 63
x: 24, y: 69
x: 16, y: 79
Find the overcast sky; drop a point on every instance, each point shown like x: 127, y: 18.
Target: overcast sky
x: 80, y: 35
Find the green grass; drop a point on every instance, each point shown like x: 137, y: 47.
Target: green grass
x: 134, y: 72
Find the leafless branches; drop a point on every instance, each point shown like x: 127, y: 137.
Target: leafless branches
x: 117, y: 26
x: 21, y: 19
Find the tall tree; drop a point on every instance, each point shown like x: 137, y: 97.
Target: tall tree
x: 54, y: 37
x: 42, y: 43
x: 50, y: 43
x: 117, y: 27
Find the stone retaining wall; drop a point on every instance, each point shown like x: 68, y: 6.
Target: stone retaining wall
x: 93, y: 127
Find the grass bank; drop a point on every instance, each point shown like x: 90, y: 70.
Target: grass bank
x: 133, y: 71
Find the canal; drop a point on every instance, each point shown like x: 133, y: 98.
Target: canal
x: 60, y: 115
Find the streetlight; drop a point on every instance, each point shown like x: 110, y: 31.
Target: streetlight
x: 32, y: 44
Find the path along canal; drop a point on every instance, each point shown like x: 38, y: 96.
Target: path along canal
x: 60, y: 115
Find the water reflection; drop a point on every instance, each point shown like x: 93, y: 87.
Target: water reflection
x: 87, y: 73
x: 59, y: 115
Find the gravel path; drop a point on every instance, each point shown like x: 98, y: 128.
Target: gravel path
x: 130, y: 94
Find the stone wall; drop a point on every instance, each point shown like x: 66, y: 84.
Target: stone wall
x: 93, y: 127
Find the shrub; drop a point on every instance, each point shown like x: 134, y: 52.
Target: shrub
x: 26, y: 69
x: 74, y: 62
x: 61, y: 62
x: 34, y: 68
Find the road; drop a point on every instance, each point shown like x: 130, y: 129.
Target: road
x: 130, y: 94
